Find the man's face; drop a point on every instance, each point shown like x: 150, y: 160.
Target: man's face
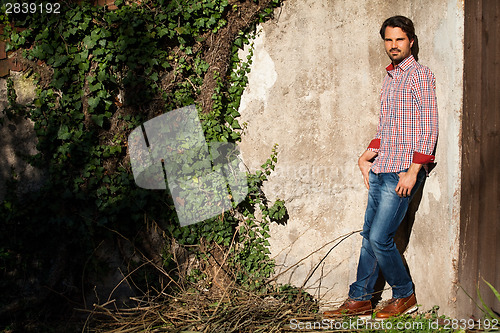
x: 397, y: 44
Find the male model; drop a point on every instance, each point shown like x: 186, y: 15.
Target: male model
x: 393, y: 167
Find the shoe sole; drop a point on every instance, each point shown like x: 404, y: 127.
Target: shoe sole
x: 366, y: 316
x: 407, y: 311
x: 360, y: 316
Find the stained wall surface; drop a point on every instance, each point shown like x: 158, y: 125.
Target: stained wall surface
x: 17, y: 138
x: 314, y: 90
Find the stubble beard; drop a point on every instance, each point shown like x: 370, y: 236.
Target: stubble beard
x: 396, y: 59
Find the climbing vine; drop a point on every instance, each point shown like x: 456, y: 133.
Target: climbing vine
x: 102, y: 73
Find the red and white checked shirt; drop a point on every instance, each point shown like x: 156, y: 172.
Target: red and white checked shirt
x: 408, y: 125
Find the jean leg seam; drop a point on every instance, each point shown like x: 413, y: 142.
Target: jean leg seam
x: 396, y: 212
x: 366, y: 283
x: 369, y: 276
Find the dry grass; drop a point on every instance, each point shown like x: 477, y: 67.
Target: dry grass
x: 214, y: 303
x: 238, y: 311
x: 203, y: 306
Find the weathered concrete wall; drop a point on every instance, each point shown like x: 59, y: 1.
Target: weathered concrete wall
x: 17, y: 138
x: 314, y: 90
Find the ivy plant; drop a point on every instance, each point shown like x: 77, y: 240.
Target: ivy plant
x: 110, y: 71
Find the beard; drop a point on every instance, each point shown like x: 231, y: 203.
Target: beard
x: 396, y: 55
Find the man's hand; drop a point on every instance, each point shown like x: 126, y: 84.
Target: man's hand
x: 407, y: 180
x: 405, y: 184
x: 365, y: 165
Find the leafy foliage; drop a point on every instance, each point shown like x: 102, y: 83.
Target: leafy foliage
x: 488, y: 312
x: 110, y: 72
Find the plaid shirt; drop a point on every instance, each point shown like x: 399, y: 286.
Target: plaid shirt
x: 408, y: 125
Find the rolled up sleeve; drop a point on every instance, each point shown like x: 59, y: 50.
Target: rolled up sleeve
x: 424, y: 90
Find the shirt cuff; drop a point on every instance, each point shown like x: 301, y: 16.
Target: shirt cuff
x: 374, y: 144
x: 420, y: 158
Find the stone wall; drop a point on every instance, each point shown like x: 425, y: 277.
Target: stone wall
x: 17, y: 138
x: 314, y: 89
x: 316, y: 76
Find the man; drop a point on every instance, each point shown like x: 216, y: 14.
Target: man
x: 401, y: 150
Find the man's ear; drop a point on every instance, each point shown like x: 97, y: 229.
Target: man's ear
x: 411, y: 43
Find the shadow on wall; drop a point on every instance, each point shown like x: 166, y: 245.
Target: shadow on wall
x: 402, y: 238
x: 17, y: 139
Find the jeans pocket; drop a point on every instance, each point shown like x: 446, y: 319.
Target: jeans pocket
x: 396, y: 175
x: 404, y: 170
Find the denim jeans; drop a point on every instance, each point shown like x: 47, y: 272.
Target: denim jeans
x: 384, y: 213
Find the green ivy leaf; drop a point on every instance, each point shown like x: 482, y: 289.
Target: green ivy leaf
x: 93, y: 102
x: 98, y: 119
x: 89, y: 42
x: 63, y: 133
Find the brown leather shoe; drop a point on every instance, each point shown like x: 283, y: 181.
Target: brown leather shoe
x: 351, y: 308
x: 398, y: 306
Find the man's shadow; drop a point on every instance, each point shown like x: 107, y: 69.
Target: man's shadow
x: 402, y: 238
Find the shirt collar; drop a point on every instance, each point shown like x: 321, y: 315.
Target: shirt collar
x: 404, y: 65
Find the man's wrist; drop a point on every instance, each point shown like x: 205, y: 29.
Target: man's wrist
x: 414, y: 169
x: 367, y: 156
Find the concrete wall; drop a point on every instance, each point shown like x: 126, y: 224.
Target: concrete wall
x: 17, y: 138
x: 314, y: 89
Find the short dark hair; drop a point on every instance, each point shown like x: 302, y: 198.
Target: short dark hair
x: 399, y: 22
x: 406, y: 25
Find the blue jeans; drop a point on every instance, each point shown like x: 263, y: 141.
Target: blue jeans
x: 384, y: 213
